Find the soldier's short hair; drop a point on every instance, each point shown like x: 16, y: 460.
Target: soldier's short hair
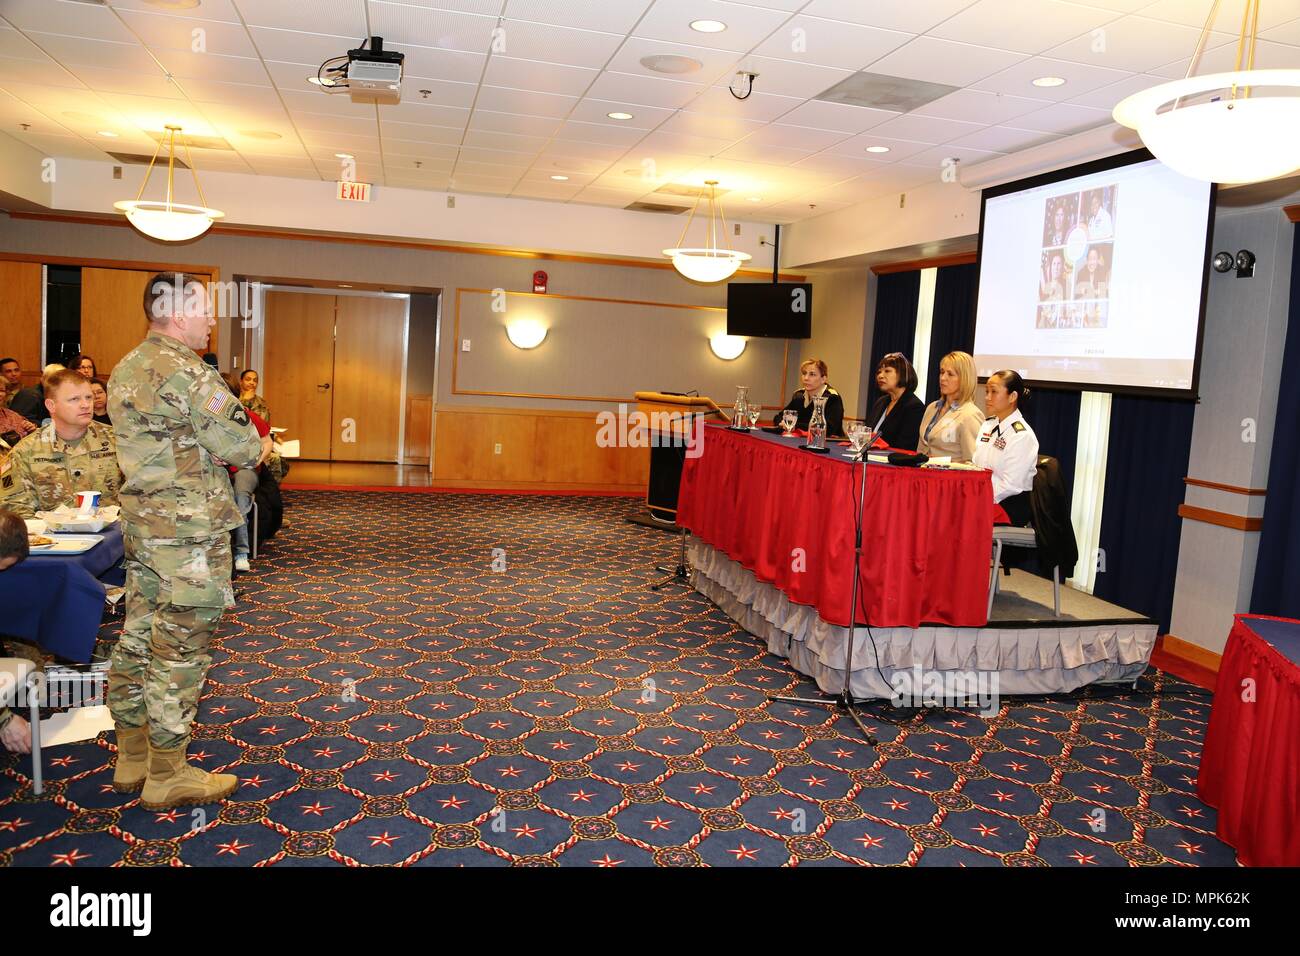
x: 13, y: 536
x: 164, y: 295
x: 60, y: 377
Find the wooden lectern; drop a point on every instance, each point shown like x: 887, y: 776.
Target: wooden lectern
x: 670, y: 419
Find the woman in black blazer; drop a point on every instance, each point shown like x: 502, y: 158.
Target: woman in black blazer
x: 898, y: 411
x: 813, y: 375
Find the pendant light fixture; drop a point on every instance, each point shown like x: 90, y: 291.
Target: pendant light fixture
x: 708, y: 263
x: 167, y: 220
x: 1241, y: 126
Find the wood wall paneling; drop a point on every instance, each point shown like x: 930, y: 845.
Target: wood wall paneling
x: 20, y: 316
x: 298, y: 352
x: 112, y: 314
x: 369, y: 355
x: 418, y: 446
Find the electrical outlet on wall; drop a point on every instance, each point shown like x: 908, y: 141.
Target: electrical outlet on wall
x: 496, y: 449
x: 464, y: 345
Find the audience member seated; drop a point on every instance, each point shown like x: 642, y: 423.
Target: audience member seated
x: 951, y: 425
x: 1008, y: 446
x: 85, y: 365
x: 15, y: 732
x: 30, y: 402
x: 72, y: 453
x: 896, y: 415
x: 11, y: 380
x: 248, y: 395
x: 100, y: 392
x: 245, y: 481
x: 13, y: 427
x: 812, y: 372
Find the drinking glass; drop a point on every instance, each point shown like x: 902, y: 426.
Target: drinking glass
x: 789, y: 418
x: 753, y: 411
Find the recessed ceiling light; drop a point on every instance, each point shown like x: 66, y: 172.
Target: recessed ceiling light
x: 108, y: 132
x: 671, y: 63
x: 708, y: 26
x: 259, y: 134
x: 343, y: 156
x: 1050, y: 81
x: 344, y: 285
x: 619, y: 116
x: 877, y: 149
x: 560, y: 179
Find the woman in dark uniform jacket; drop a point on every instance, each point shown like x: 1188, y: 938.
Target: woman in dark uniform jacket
x: 813, y: 375
x: 901, y: 410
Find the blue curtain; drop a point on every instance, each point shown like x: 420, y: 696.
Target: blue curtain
x: 1054, y: 417
x: 1146, y: 461
x: 1277, y: 567
x: 953, y: 328
x: 897, y: 295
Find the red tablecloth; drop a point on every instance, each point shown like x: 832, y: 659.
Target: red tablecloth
x: 926, y: 535
x: 1250, y: 764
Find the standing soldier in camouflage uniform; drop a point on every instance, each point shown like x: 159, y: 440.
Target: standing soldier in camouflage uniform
x: 72, y: 453
x: 177, y: 425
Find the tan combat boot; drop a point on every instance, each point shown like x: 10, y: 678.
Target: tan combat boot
x: 132, y: 759
x: 174, y: 783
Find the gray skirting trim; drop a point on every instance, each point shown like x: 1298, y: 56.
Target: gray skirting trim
x: 1027, y: 660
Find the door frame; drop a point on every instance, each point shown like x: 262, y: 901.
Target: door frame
x: 257, y: 341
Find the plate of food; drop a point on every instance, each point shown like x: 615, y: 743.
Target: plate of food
x: 62, y: 544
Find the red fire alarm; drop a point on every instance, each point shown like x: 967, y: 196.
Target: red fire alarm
x: 539, y: 281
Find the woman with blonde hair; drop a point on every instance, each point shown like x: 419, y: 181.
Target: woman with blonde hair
x: 812, y: 373
x: 951, y: 425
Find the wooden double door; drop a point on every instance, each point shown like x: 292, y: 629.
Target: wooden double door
x: 332, y: 373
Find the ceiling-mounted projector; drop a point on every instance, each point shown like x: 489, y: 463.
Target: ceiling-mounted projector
x: 369, y: 73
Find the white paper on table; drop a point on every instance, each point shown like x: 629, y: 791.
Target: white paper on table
x: 34, y: 525
x: 289, y: 449
x: 66, y: 518
x: 75, y: 724
x: 278, y: 430
x: 939, y: 461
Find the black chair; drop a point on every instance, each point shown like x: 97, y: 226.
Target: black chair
x: 1050, y: 532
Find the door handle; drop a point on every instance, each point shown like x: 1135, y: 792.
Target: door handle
x: 323, y: 387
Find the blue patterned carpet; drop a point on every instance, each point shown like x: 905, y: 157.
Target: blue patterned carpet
x: 387, y: 696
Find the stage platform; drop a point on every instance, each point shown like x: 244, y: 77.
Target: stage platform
x: 1028, y: 649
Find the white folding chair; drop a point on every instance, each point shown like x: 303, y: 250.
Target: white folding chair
x: 1018, y: 538
x: 18, y: 672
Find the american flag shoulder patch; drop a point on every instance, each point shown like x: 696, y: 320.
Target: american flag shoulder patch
x: 218, y: 402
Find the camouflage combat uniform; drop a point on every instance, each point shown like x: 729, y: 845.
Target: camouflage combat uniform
x: 44, y: 471
x: 173, y: 415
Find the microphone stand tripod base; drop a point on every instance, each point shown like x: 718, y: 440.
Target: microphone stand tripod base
x: 840, y: 702
x: 679, y: 575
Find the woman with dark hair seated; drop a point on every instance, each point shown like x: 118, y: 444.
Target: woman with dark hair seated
x: 1008, y: 446
x: 813, y: 375
x: 896, y: 415
x: 84, y: 364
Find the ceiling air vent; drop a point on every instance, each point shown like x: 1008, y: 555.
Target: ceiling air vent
x: 881, y: 92
x: 641, y: 206
x: 142, y: 159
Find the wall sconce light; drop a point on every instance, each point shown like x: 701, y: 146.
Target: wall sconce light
x: 526, y: 333
x: 727, y: 347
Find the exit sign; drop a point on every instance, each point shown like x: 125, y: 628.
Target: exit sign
x: 353, y: 191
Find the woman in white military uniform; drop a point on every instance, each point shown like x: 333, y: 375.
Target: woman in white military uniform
x: 1008, y: 446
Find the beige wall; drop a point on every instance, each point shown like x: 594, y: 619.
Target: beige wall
x: 642, y: 347
x: 841, y: 331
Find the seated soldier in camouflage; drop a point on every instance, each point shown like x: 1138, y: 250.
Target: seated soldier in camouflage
x: 72, y: 453
x: 15, y: 732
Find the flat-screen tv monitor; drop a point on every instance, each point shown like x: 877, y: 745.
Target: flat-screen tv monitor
x: 773, y: 310
x: 1093, y: 277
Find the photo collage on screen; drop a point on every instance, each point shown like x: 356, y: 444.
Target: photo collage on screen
x: 1076, y: 261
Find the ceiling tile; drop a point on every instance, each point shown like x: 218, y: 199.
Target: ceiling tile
x: 422, y: 133
x: 605, y: 133
x: 644, y: 90
x: 837, y: 164
x: 161, y: 32
x: 936, y: 157
x: 222, y: 10
x: 77, y: 51
x: 1106, y: 97
x: 1268, y: 56
x: 795, y: 137
x: 716, y: 64
x: 1192, y: 13
x: 421, y: 26
x: 44, y: 73
x: 129, y: 82
x: 788, y: 78
x: 342, y: 18
x: 977, y: 106
x: 538, y: 76
x: 538, y: 41
x: 1136, y: 44
x: 1288, y: 32
x: 245, y: 96
x: 14, y: 44
x: 322, y: 127
x: 713, y: 127
x: 839, y: 117
x: 912, y: 16
x: 543, y: 126
x: 832, y: 43
x: 310, y: 49
x: 58, y: 16
x: 1064, y: 118
x: 607, y: 16
x: 488, y: 139
x: 746, y: 26
x: 924, y: 129
x: 1002, y: 139
x: 719, y: 101
x: 1079, y: 79
x: 213, y: 66
x: 500, y: 100
x: 424, y: 63
x: 495, y: 162
x: 944, y: 61
x: 425, y: 113
x: 751, y: 152
x: 1023, y: 26
x: 899, y: 149
x: 592, y: 110
x: 430, y: 152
